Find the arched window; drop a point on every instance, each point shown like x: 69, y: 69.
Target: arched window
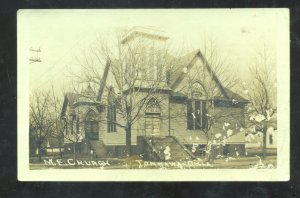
x: 197, y: 90
x: 152, y: 107
x: 152, y: 118
x: 111, y: 112
x: 91, y: 126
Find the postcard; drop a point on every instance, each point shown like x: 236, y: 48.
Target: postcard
x: 153, y: 95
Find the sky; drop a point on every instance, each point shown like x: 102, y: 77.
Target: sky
x: 63, y: 34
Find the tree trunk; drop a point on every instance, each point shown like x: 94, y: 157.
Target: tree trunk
x: 128, y: 140
x: 264, y: 147
x: 60, y: 152
x: 60, y: 143
x: 40, y: 145
x: 40, y: 152
x: 75, y: 156
x: 207, y: 149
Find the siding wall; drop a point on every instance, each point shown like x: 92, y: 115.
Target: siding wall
x: 114, y: 138
x: 231, y: 115
x: 178, y: 113
x: 138, y: 128
x: 179, y: 129
x: 81, y: 111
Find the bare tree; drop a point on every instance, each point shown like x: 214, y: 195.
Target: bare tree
x: 138, y: 75
x: 54, y: 114
x: 140, y: 71
x: 41, y: 124
x: 261, y: 90
x: 215, y: 77
x: 75, y: 136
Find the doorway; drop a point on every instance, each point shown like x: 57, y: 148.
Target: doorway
x: 152, y: 118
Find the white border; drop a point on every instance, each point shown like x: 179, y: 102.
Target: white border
x: 282, y: 173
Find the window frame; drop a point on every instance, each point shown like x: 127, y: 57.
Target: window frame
x: 111, y: 118
x: 193, y: 116
x: 91, y: 126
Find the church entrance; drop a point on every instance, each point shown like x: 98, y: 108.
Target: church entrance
x: 152, y: 118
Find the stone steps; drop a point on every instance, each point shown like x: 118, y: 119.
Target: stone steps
x: 177, y: 152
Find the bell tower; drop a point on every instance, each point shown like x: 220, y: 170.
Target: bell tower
x: 145, y: 52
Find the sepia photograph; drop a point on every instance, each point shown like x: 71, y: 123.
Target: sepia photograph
x: 153, y: 95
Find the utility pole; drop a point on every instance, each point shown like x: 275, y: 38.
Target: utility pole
x: 36, y: 57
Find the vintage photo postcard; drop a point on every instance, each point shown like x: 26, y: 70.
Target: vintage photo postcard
x: 153, y: 95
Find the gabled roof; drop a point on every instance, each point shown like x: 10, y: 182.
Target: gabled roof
x: 70, y: 98
x: 75, y: 99
x: 103, y: 79
x: 177, y: 70
x: 186, y: 62
x: 115, y: 65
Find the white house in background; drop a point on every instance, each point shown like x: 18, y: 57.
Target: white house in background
x: 256, y: 141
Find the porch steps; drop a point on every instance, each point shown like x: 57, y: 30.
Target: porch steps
x: 98, y: 147
x: 177, y: 152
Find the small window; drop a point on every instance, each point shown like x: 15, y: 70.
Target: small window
x: 111, y: 112
x: 271, y: 139
x: 66, y: 127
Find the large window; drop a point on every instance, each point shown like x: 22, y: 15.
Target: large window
x: 196, y: 111
x: 91, y: 126
x: 111, y: 118
x: 197, y: 108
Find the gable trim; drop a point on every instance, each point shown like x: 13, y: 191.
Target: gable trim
x: 209, y: 69
x: 182, y: 76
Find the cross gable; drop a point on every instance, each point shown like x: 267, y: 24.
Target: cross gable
x: 194, y: 68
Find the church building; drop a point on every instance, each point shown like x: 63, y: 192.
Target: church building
x: 175, y: 103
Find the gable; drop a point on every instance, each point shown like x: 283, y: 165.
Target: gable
x: 192, y: 68
x: 179, y: 64
x: 74, y: 100
x: 195, y: 71
x: 69, y: 98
